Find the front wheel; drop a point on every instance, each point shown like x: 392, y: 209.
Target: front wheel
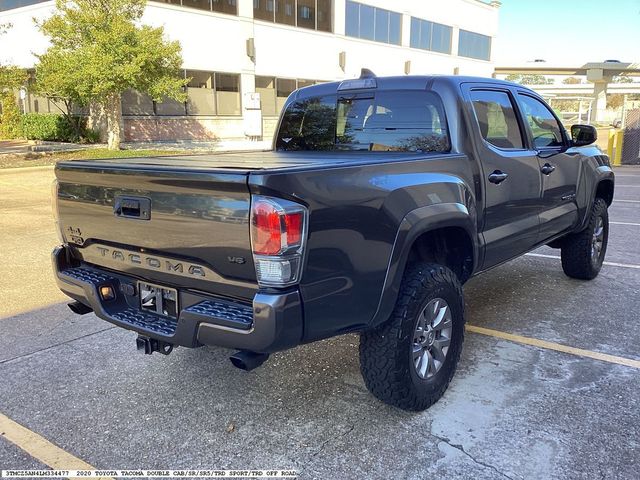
x: 583, y: 252
x: 409, y: 361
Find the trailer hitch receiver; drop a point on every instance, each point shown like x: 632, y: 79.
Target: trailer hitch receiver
x: 149, y: 345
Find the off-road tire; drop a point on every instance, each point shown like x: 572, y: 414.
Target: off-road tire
x: 386, y: 361
x: 576, y: 252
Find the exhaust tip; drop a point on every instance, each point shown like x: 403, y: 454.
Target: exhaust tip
x: 248, y: 361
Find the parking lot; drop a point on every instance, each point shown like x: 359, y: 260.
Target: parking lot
x: 548, y: 385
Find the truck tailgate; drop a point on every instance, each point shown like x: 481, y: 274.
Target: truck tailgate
x: 160, y: 221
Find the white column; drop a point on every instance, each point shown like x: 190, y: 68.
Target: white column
x: 339, y: 14
x: 405, y: 37
x: 599, y: 100
x: 245, y: 8
x: 455, y: 37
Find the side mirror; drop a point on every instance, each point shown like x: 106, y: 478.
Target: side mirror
x: 582, y: 135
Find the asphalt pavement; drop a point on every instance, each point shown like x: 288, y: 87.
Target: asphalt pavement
x: 513, y: 411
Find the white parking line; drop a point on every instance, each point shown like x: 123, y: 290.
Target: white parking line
x: 615, y: 200
x: 629, y: 186
x: 625, y: 223
x: 611, y: 264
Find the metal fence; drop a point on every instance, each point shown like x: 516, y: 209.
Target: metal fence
x: 631, y: 142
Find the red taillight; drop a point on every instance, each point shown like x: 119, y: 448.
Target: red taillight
x: 293, y: 222
x: 266, y: 228
x: 274, y: 229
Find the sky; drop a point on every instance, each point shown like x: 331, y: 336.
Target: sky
x: 568, y: 31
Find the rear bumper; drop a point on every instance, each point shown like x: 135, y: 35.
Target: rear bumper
x: 271, y: 323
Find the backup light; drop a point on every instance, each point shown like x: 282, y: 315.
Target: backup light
x: 278, y: 233
x: 107, y: 293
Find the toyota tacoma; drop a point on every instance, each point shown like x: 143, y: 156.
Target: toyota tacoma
x: 380, y: 198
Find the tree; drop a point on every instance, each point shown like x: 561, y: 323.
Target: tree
x: 571, y: 81
x: 11, y: 78
x: 52, y: 82
x: 99, y: 50
x: 529, y: 79
x: 622, y: 79
x: 615, y: 100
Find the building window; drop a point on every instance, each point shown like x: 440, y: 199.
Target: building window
x: 323, y: 15
x: 263, y: 9
x: 11, y: 4
x: 371, y: 23
x: 266, y: 87
x: 285, y: 12
x: 306, y: 83
x: 136, y: 103
x: 201, y: 99
x: 227, y: 88
x: 284, y: 88
x: 275, y: 91
x: 221, y: 6
x: 208, y: 93
x: 474, y: 45
x: 312, y: 14
x: 307, y: 14
x: 199, y: 4
x: 430, y: 36
x: 170, y: 107
x: 225, y: 6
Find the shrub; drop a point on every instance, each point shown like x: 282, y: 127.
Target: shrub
x: 91, y: 136
x: 38, y: 126
x: 56, y: 128
x: 10, y: 122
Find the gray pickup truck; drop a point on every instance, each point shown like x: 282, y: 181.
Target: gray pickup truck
x: 380, y: 198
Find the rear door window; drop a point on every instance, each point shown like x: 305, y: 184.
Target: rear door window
x: 401, y: 121
x: 497, y: 118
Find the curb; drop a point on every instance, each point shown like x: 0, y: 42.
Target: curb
x: 28, y: 169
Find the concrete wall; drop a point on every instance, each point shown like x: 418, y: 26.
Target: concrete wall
x: 217, y: 42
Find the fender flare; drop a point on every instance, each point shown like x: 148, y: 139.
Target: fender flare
x: 416, y: 223
x: 602, y: 174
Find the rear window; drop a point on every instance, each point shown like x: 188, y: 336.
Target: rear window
x: 406, y: 121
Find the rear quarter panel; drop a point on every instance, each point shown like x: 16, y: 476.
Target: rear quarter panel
x: 355, y: 213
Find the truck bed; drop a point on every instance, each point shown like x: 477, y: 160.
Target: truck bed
x: 241, y: 162
x: 191, y: 228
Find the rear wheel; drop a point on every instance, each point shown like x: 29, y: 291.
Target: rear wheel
x: 583, y: 252
x: 409, y: 361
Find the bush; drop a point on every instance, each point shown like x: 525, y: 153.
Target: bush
x: 91, y: 136
x: 38, y: 126
x: 55, y: 128
x: 10, y: 124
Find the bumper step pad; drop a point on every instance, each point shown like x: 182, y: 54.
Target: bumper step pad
x: 124, y: 314
x: 227, y: 314
x: 234, y: 316
x: 154, y: 323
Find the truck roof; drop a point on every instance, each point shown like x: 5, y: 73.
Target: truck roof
x: 401, y: 82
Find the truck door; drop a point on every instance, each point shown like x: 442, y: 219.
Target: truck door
x: 559, y: 169
x: 511, y: 175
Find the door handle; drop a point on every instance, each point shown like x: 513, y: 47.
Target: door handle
x: 498, y: 177
x: 548, y: 169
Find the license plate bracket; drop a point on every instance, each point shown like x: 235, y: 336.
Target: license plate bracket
x: 158, y: 299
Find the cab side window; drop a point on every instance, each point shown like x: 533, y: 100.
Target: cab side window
x: 545, y: 129
x: 497, y: 118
